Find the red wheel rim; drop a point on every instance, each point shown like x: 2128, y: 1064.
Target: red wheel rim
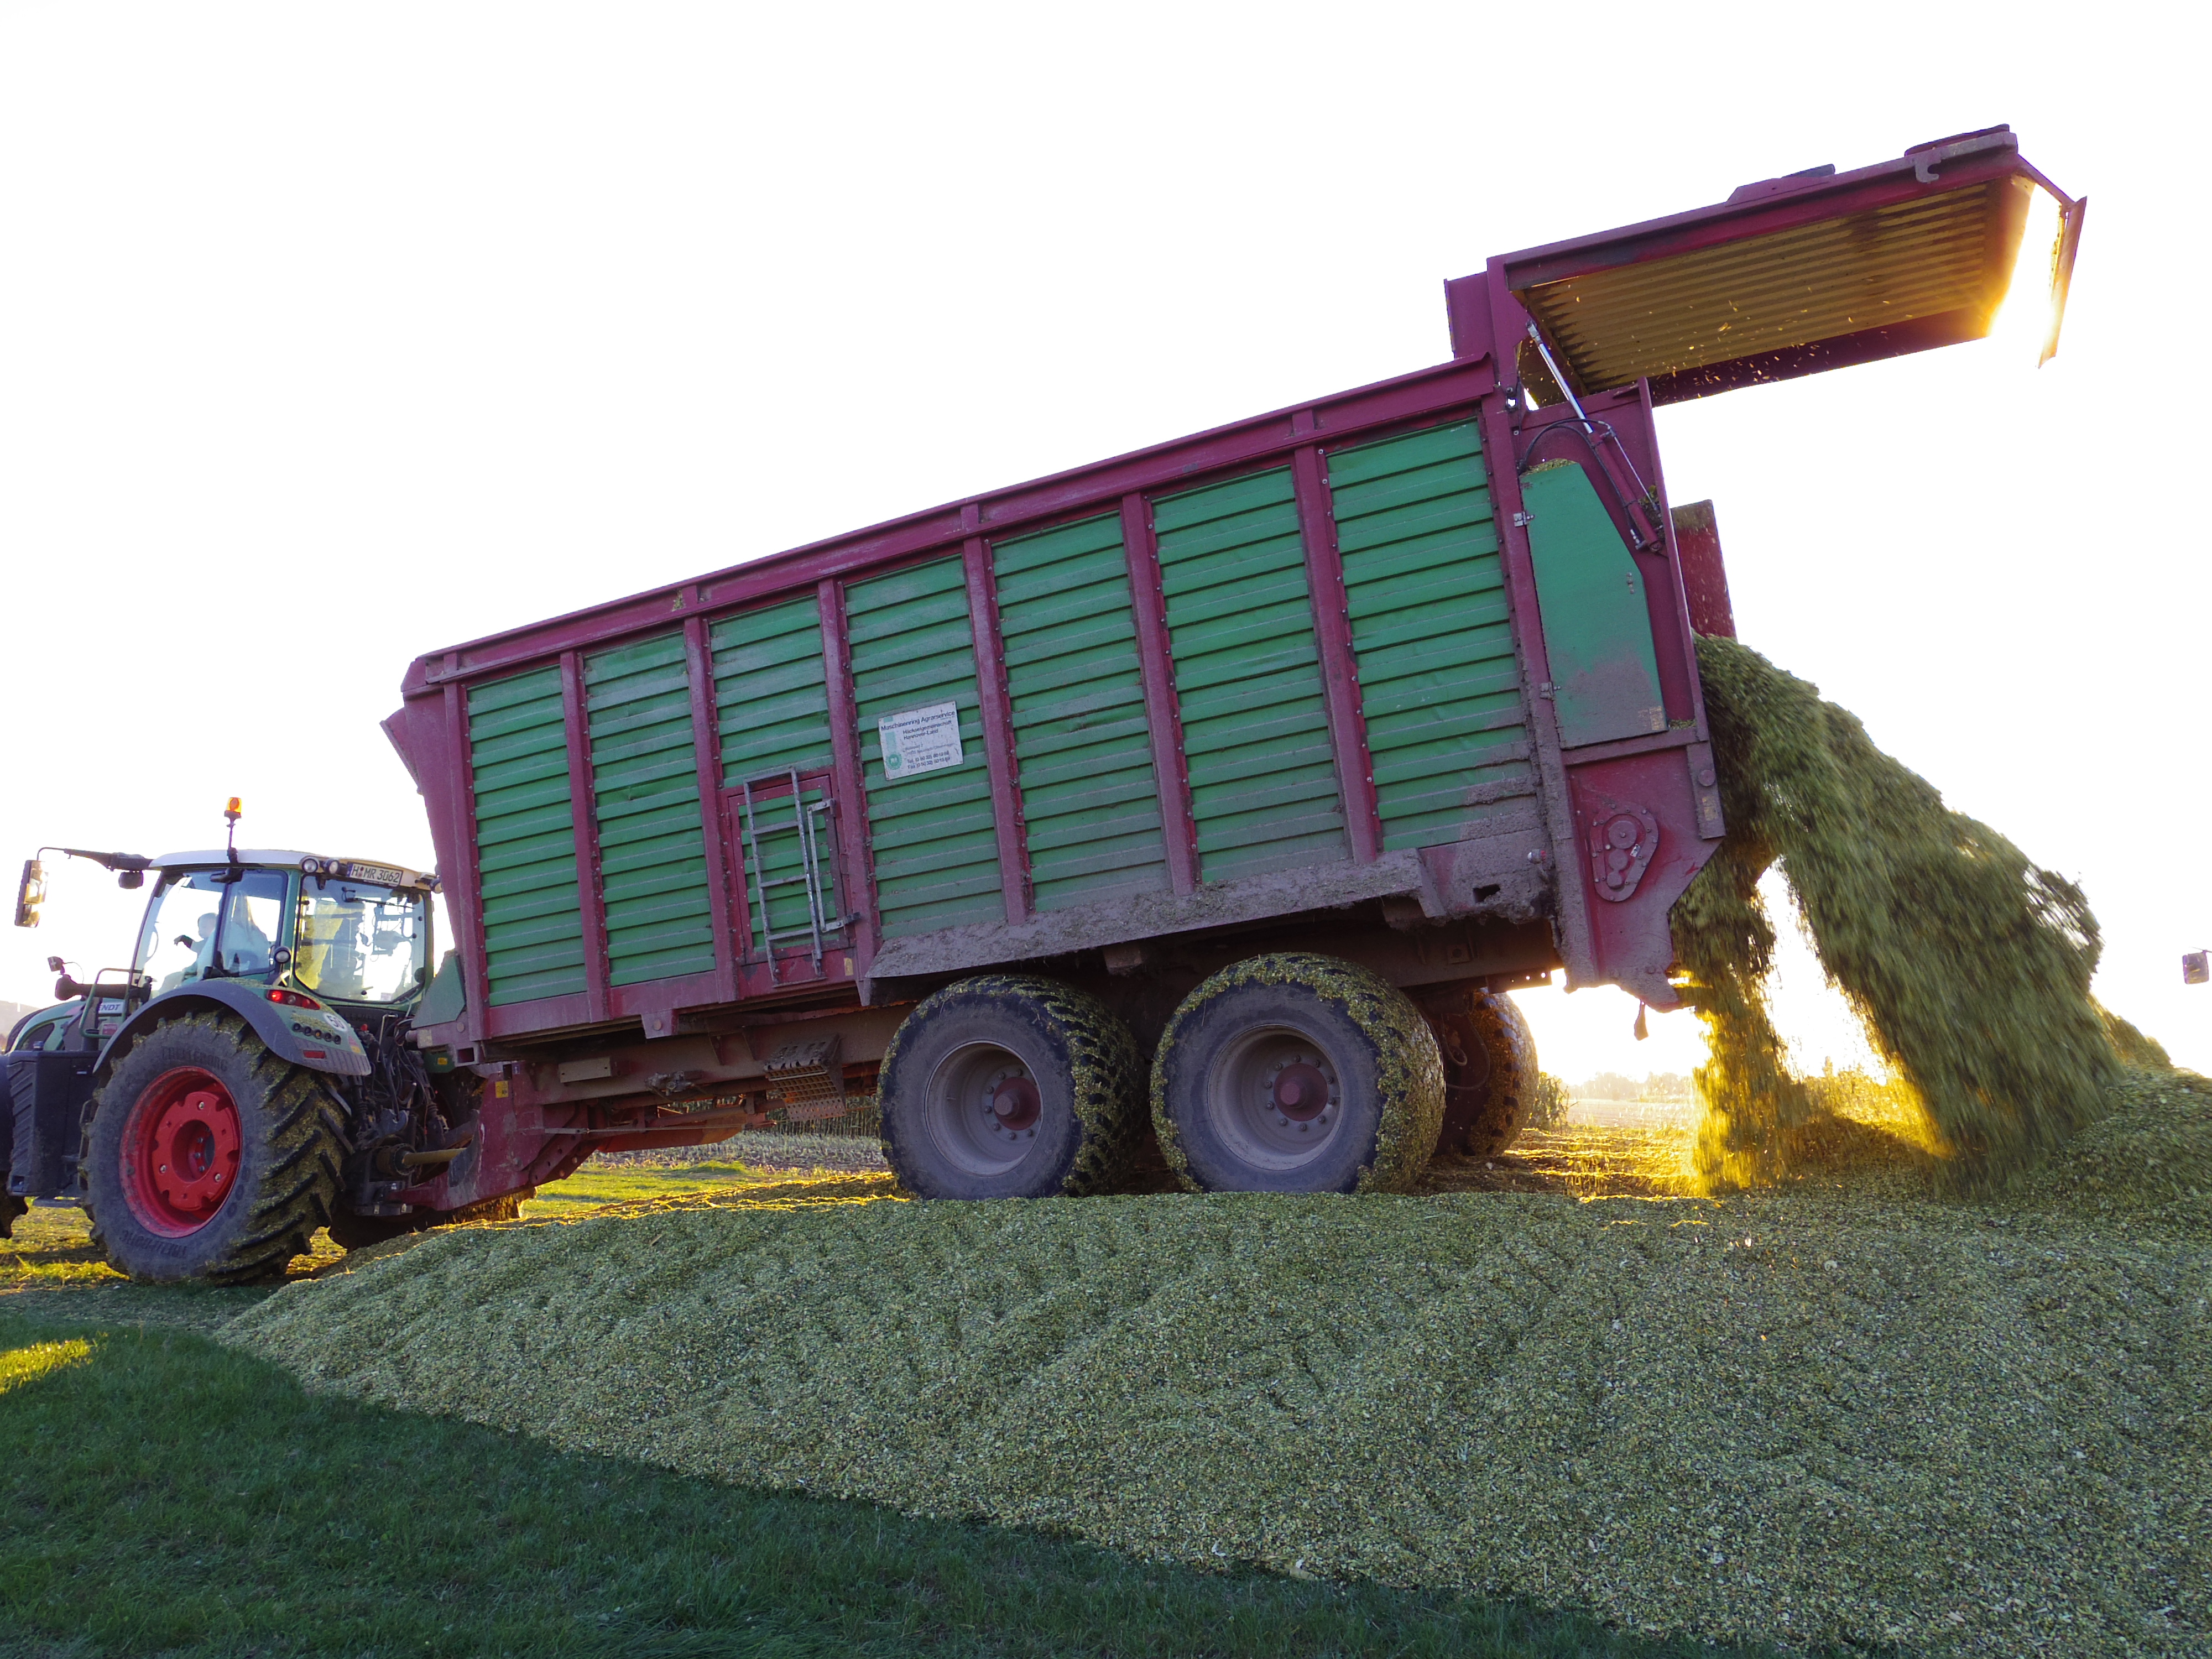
x: 180, y: 1151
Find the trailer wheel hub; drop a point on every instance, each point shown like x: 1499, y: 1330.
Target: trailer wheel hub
x: 180, y: 1151
x: 1300, y: 1092
x: 1015, y: 1104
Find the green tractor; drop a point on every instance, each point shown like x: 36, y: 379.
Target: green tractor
x: 249, y: 1078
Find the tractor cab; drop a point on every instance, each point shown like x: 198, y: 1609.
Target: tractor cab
x: 351, y: 934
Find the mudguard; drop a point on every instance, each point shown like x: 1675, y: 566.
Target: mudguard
x: 317, y: 1038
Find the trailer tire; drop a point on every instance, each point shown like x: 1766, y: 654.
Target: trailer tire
x: 206, y: 1156
x: 1490, y: 1069
x: 1010, y: 1086
x: 1298, y: 1074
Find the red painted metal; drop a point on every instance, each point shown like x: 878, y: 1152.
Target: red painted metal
x: 1339, y: 669
x: 1791, y: 202
x: 1171, y: 770
x: 1704, y: 576
x: 998, y: 727
x: 463, y: 889
x: 653, y: 1003
x: 181, y: 1151
x: 1631, y: 943
x: 587, y: 819
x: 707, y: 749
x: 859, y: 884
x: 1762, y: 208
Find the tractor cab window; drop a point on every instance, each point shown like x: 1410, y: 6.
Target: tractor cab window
x: 255, y: 924
x: 201, y: 926
x: 359, y: 942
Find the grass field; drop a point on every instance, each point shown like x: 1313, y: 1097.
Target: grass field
x: 163, y: 1494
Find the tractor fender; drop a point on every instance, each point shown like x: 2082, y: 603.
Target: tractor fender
x: 318, y: 1038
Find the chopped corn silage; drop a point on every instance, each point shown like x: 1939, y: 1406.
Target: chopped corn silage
x: 1968, y: 964
x: 1838, y: 1410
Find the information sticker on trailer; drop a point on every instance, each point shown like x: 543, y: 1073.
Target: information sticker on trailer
x: 921, y: 740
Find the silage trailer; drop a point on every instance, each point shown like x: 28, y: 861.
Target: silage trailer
x: 1218, y: 791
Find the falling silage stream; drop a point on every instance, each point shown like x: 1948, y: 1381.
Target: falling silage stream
x: 1968, y: 965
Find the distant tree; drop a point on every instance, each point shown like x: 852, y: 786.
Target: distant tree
x: 1664, y: 1085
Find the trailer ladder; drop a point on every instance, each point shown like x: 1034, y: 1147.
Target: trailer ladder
x: 763, y: 823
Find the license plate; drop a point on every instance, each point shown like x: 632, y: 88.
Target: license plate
x: 379, y: 872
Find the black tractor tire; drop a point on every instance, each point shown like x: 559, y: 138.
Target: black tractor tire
x: 350, y: 1230
x: 1009, y: 1086
x: 1490, y: 1069
x: 273, y: 1135
x: 1298, y: 1074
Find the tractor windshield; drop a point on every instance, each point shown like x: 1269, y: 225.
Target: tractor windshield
x: 359, y: 942
x: 210, y: 924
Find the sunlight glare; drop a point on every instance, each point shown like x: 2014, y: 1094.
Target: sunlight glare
x: 2023, y: 319
x: 22, y: 1365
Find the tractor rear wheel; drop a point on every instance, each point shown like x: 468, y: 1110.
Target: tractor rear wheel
x: 1298, y: 1074
x: 1008, y: 1086
x: 207, y: 1156
x: 1490, y: 1069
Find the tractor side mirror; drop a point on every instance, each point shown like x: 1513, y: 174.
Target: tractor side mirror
x: 30, y: 893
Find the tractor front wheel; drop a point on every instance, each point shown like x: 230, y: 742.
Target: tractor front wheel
x: 207, y: 1156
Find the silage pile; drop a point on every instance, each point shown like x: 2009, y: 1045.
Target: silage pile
x: 1969, y: 965
x: 1839, y: 1411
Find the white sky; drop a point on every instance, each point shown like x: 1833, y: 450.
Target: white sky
x: 331, y: 335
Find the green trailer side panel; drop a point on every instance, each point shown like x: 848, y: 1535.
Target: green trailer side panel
x: 934, y: 844
x: 645, y: 789
x: 772, y: 708
x: 533, y: 917
x: 771, y: 702
x: 1081, y: 734
x: 1439, y: 681
x: 1247, y: 675
x: 1597, y: 627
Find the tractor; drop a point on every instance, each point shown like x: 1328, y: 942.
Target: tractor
x: 247, y: 1080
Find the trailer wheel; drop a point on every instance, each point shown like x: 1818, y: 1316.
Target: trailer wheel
x: 1298, y: 1074
x: 1490, y: 1069
x: 207, y: 1156
x: 1006, y: 1087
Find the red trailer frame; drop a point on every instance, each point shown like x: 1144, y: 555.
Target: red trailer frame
x: 1535, y: 338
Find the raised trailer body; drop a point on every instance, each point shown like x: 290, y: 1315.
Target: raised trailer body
x: 1404, y: 675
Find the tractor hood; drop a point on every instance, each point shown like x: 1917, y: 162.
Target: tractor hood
x: 1789, y: 276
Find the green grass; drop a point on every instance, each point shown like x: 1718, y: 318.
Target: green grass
x: 163, y: 1494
